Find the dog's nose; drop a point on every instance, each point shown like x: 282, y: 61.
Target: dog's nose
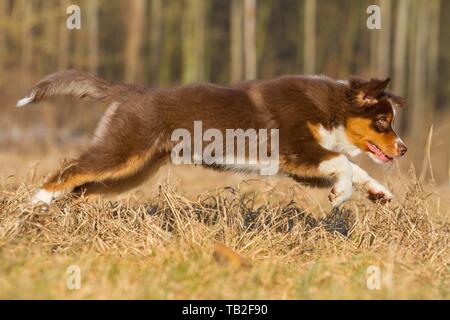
x: 402, y: 149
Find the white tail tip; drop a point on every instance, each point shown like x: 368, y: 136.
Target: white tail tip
x: 24, y: 101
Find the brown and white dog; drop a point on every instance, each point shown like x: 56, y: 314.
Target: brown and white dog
x: 321, y: 123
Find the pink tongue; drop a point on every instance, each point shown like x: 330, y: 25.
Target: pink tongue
x: 377, y: 152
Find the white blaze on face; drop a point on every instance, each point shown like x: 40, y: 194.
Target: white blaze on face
x: 399, y: 140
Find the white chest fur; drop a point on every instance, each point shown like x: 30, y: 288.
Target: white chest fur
x: 336, y: 140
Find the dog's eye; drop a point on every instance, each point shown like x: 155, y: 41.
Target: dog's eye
x: 382, y: 123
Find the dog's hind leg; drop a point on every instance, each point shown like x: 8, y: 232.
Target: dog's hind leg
x: 96, y: 165
x: 116, y: 186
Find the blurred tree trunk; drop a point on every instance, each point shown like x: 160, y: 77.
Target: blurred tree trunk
x: 401, y: 37
x: 236, y: 39
x: 384, y: 40
x: 433, y: 53
x: 373, y: 45
x: 193, y: 41
x: 92, y: 26
x: 347, y: 58
x: 171, y: 17
x: 418, y: 111
x: 63, y: 37
x: 250, y: 39
x: 400, y: 42
x: 134, y: 40
x: 27, y: 39
x: 48, y: 46
x: 47, y: 62
x: 262, y: 30
x: 412, y: 39
x: 4, y: 27
x: 374, y: 34
x: 432, y: 75
x: 155, y: 38
x: 80, y: 41
x: 309, y: 53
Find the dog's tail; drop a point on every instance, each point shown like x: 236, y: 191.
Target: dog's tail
x: 68, y: 83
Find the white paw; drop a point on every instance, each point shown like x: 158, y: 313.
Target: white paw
x: 377, y: 192
x: 341, y: 192
x: 43, y: 196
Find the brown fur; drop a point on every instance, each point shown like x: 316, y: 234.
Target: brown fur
x: 135, y: 131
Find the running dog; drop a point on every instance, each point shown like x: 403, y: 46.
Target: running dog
x: 321, y: 122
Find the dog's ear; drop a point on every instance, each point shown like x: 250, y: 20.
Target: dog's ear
x: 396, y: 101
x: 366, y: 93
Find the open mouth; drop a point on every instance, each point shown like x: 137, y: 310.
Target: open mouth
x: 380, y: 155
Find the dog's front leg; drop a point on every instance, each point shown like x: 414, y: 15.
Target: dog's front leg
x: 375, y: 190
x: 340, y: 168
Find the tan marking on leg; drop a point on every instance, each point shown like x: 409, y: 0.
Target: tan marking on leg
x: 67, y: 180
x: 77, y: 173
x: 121, y: 185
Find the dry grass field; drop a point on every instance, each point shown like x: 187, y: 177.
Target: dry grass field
x: 191, y: 233
x: 165, y: 240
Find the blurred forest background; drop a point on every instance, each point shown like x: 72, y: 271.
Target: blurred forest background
x: 171, y: 42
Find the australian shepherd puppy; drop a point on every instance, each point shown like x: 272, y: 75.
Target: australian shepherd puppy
x: 321, y: 122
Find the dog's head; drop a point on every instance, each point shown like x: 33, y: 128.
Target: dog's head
x: 370, y: 119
